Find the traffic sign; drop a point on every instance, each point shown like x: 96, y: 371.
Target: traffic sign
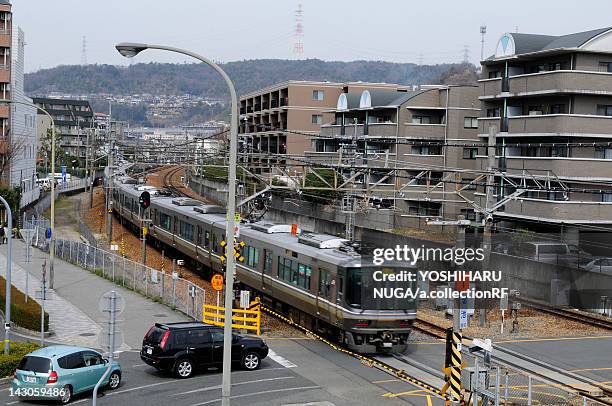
x: 48, y: 233
x: 217, y: 282
x: 105, y: 303
x: 245, y: 299
x: 463, y: 318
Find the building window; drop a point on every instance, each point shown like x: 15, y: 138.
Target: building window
x: 604, y: 110
x: 606, y: 197
x: 470, y: 153
x: 317, y: 119
x: 605, y: 66
x: 494, y: 74
x: 470, y: 122
x: 318, y: 95
x: 557, y: 109
x: 493, y: 112
x: 603, y: 153
x: 421, y: 120
x: 426, y: 150
x: 535, y: 110
x: 554, y: 66
x: 469, y: 214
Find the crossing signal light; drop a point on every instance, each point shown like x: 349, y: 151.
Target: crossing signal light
x: 145, y: 199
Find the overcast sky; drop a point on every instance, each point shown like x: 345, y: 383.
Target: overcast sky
x: 229, y: 30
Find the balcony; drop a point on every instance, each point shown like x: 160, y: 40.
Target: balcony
x: 412, y: 159
x: 4, y: 110
x: 5, y: 39
x: 423, y: 131
x: 561, y: 82
x: 560, y: 211
x: 560, y: 124
x: 284, y: 101
x: 257, y: 107
x: 274, y: 104
x: 383, y: 130
x: 490, y: 88
x: 583, y: 168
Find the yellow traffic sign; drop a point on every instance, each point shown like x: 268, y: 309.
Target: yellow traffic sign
x: 217, y: 282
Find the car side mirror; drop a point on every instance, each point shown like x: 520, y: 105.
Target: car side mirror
x: 105, y: 360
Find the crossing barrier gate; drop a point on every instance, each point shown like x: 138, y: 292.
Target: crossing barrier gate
x: 247, y: 319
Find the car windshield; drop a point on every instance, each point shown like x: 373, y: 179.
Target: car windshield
x: 35, y: 364
x: 361, y: 286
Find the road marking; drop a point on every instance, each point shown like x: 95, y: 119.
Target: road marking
x: 531, y: 340
x: 233, y: 384
x: 429, y: 400
x: 591, y: 369
x: 138, y: 365
x: 281, y: 360
x: 387, y: 381
x: 412, y: 392
x: 257, y: 393
x: 288, y: 338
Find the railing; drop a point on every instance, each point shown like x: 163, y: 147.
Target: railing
x: 246, y: 319
x: 176, y: 292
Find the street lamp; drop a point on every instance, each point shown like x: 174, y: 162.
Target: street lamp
x: 130, y: 50
x: 52, y: 181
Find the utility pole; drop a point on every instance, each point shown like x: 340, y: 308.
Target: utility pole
x: 87, y: 162
x: 91, y: 170
x: 109, y: 193
x: 348, y: 201
x: 490, y: 202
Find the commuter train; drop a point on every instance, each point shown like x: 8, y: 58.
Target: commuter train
x: 315, y: 279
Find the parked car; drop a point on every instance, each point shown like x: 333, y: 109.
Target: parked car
x: 598, y: 264
x: 58, y: 372
x: 181, y: 348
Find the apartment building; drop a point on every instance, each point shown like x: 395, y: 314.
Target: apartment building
x: 22, y: 127
x: 407, y: 138
x: 6, y: 31
x: 74, y: 119
x: 549, y: 99
x: 280, y: 119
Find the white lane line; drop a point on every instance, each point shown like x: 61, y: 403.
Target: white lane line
x: 257, y: 393
x: 138, y: 365
x: 233, y: 384
x: 12, y: 403
x: 281, y: 360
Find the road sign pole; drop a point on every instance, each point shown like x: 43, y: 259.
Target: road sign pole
x: 111, y: 350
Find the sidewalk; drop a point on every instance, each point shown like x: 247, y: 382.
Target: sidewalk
x: 73, y: 308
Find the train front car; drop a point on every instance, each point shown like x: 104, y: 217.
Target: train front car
x: 379, y: 304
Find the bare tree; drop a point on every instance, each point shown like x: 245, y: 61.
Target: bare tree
x: 10, y: 149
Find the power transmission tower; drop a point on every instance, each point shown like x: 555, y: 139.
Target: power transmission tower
x: 84, y: 52
x: 466, y: 53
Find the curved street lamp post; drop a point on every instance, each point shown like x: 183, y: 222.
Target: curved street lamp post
x: 130, y: 50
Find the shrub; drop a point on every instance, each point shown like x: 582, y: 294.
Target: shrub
x: 8, y: 363
x: 26, y: 315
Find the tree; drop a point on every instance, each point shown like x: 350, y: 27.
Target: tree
x: 45, y: 147
x: 9, y: 151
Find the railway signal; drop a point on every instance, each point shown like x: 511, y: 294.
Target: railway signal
x: 145, y: 200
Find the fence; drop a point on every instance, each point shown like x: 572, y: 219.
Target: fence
x: 176, y: 292
x: 507, y: 386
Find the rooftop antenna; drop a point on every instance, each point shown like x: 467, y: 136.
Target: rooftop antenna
x: 298, y: 45
x: 84, y: 51
x: 483, y: 32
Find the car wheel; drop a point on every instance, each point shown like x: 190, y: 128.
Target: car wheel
x: 251, y: 361
x: 66, y: 395
x: 114, y: 380
x: 183, y: 368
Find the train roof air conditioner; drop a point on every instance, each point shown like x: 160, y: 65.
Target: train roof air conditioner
x: 321, y: 240
x: 209, y: 209
x: 271, y: 228
x: 186, y: 201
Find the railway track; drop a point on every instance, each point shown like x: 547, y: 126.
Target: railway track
x: 429, y: 328
x: 167, y: 181
x: 570, y: 314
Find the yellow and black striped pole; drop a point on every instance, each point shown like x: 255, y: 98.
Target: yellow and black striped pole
x: 455, y: 368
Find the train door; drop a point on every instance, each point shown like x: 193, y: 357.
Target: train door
x: 325, y: 294
x: 339, y: 294
x: 267, y: 271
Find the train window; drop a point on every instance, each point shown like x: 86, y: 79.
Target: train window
x: 268, y: 262
x: 251, y: 255
x: 215, y: 247
x: 199, y: 239
x: 186, y: 230
x: 206, y: 238
x: 324, y: 283
x: 165, y: 221
x: 340, y: 289
x: 295, y: 273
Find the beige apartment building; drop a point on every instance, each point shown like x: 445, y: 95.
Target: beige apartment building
x: 6, y: 30
x: 280, y: 119
x: 550, y: 100
x: 407, y: 138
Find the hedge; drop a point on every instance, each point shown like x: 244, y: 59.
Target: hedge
x: 8, y: 363
x: 26, y: 315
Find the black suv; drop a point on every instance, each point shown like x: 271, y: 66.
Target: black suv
x: 183, y: 347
